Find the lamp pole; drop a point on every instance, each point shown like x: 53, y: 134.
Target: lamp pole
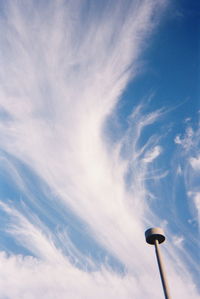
x: 155, y: 236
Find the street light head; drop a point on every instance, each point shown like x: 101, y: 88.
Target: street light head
x: 153, y: 234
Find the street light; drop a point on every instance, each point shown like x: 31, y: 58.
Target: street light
x: 155, y: 236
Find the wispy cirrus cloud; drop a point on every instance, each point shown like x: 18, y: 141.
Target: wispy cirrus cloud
x: 189, y: 151
x: 187, y: 164
x: 64, y: 66
x: 153, y: 154
x: 195, y: 163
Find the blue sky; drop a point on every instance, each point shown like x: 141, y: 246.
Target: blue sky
x: 99, y: 126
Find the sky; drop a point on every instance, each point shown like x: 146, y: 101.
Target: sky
x: 99, y: 141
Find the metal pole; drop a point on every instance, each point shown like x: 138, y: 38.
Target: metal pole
x: 162, y: 271
x: 155, y: 236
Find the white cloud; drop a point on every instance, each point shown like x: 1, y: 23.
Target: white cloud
x: 179, y: 170
x: 36, y: 279
x: 190, y: 166
x: 62, y: 72
x: 196, y: 202
x: 187, y: 141
x: 153, y: 154
x: 195, y: 163
x: 178, y: 240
